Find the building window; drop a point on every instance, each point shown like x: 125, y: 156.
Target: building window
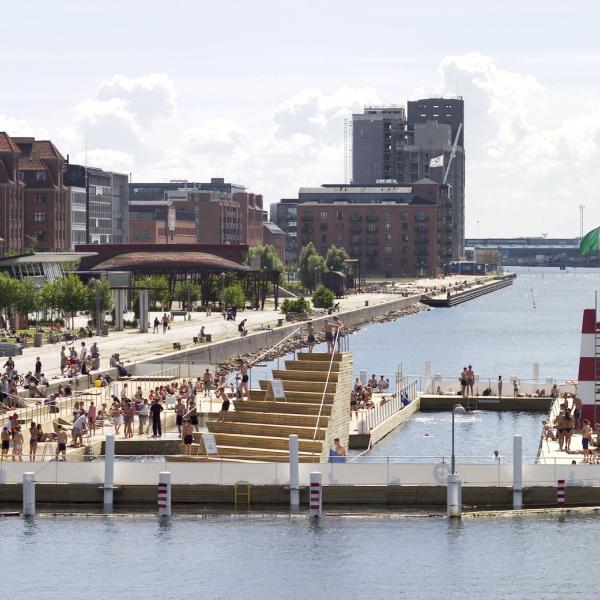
x: 387, y: 237
x: 387, y: 226
x: 404, y: 215
x: 372, y: 227
x: 356, y: 216
x: 421, y: 215
x: 323, y: 227
x: 39, y: 217
x: 323, y: 238
x: 356, y: 239
x: 39, y: 199
x: 387, y: 215
x: 387, y: 250
x: 340, y: 238
x: 323, y: 215
x: 40, y: 175
x: 339, y: 226
x: 340, y: 215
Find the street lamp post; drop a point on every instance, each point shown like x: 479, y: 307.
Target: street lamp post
x: 98, y: 323
x: 454, y: 491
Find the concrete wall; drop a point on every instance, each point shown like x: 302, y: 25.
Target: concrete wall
x: 262, y: 340
x: 379, y: 432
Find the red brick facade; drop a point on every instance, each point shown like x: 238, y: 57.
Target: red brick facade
x: 11, y: 198
x: 393, y: 240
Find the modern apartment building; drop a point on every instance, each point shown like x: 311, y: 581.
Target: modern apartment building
x: 160, y: 222
x: 391, y: 146
x: 225, y: 213
x: 99, y: 205
x: 283, y: 214
x: 395, y: 231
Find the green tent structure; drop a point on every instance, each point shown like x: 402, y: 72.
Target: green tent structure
x: 590, y: 242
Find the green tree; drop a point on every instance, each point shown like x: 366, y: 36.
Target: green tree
x: 8, y: 291
x: 72, y: 295
x: 323, y: 297
x: 26, y: 297
x: 269, y: 260
x: 311, y: 266
x: 233, y: 295
x: 49, y: 296
x: 335, y: 259
x: 98, y: 297
x: 187, y: 290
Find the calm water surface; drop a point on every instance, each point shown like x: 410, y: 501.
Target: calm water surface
x: 282, y: 558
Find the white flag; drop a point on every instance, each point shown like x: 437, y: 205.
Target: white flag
x: 437, y: 161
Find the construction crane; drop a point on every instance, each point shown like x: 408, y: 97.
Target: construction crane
x: 452, y: 153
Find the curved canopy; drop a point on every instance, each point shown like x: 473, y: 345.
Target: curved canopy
x: 151, y: 262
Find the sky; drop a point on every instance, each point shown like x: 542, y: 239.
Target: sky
x: 257, y: 92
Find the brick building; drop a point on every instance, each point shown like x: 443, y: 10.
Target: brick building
x: 46, y: 203
x: 160, y: 222
x: 274, y: 236
x: 12, y: 239
x: 395, y: 231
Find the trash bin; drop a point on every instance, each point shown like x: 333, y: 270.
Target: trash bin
x: 37, y: 339
x: 330, y: 311
x: 104, y: 331
x: 208, y: 337
x: 366, y: 303
x: 279, y: 322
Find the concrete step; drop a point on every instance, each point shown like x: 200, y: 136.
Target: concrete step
x: 261, y: 441
x: 312, y: 365
x: 263, y: 429
x: 302, y: 386
x: 262, y: 454
x: 288, y: 419
x: 313, y: 376
x: 296, y: 408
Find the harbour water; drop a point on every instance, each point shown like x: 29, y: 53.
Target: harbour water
x: 264, y: 557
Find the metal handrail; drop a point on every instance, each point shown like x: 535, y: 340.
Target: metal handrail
x: 335, y: 340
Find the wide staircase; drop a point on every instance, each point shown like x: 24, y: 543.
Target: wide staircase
x: 259, y: 428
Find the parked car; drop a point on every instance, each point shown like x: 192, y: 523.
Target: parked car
x: 10, y: 349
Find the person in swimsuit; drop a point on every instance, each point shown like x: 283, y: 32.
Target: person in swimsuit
x: 225, y: 405
x: 179, y: 410
x: 17, y: 444
x: 187, y: 431
x: 568, y: 424
x: 193, y: 415
x: 337, y: 331
x: 91, y: 414
x: 206, y: 380
x: 128, y: 419
x: 586, y: 438
x: 353, y: 404
x: 245, y: 378
x: 310, y: 339
x: 470, y: 381
x: 5, y: 438
x: 33, y: 441
x: 328, y: 330
x: 463, y: 382
x: 61, y: 445
x: 143, y: 417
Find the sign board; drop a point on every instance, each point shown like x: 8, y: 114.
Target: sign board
x: 210, y: 444
x: 275, y: 391
x: 172, y: 219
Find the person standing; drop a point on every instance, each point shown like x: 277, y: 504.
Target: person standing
x: 83, y: 353
x: 187, y: 433
x: 91, y: 415
x: 5, y: 438
x: 179, y: 410
x: 61, y: 443
x: 499, y: 386
x: 155, y: 410
x: 207, y: 381
x: 224, y: 406
x: 515, y: 388
x: 64, y: 361
x: 245, y: 378
x: 193, y: 414
x: 470, y: 381
x: 33, y: 441
x: 310, y: 336
x: 327, y: 329
x: 463, y: 382
x: 338, y: 332
x: 38, y: 368
x: 165, y: 323
x: 586, y: 438
x: 18, y: 444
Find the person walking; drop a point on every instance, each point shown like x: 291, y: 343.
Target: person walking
x: 155, y: 329
x: 155, y: 410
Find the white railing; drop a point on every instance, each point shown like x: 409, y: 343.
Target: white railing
x: 386, y: 472
x: 394, y: 403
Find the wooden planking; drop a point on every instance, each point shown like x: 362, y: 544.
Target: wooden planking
x: 297, y: 408
x: 267, y: 430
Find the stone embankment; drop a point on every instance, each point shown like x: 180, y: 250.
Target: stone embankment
x: 299, y: 341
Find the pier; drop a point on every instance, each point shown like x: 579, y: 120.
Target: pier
x: 469, y: 292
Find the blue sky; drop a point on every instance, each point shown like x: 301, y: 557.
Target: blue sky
x: 257, y: 92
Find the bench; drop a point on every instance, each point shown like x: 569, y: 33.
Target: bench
x: 179, y: 313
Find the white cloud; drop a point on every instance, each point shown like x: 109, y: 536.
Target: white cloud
x: 147, y: 97
x: 313, y: 112
x: 215, y: 135
x: 16, y: 127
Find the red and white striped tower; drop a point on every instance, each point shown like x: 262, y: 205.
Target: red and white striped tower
x: 588, y: 386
